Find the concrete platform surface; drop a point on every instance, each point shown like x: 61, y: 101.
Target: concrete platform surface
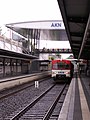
x: 77, y: 101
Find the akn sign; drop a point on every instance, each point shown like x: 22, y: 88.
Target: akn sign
x: 46, y: 24
x: 56, y: 25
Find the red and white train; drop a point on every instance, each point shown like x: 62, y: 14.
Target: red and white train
x: 62, y: 70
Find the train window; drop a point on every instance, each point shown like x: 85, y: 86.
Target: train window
x: 61, y: 66
x: 55, y: 66
x: 67, y: 66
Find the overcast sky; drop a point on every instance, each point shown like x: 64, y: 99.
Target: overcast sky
x: 28, y: 10
x: 12, y: 11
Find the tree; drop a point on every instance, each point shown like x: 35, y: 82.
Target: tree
x: 51, y: 58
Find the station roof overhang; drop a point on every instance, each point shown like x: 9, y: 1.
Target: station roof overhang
x: 54, y: 28
x: 76, y: 17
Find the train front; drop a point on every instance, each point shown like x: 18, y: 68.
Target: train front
x: 62, y: 70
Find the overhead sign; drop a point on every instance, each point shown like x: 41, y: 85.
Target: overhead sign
x: 56, y: 25
x: 48, y: 24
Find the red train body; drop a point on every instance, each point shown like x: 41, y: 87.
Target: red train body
x: 62, y: 70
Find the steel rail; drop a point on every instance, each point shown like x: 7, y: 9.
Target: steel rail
x: 23, y: 111
x: 49, y: 112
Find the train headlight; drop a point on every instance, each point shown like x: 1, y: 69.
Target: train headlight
x: 68, y: 72
x: 53, y: 72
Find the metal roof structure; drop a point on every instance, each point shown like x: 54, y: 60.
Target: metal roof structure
x: 15, y: 55
x: 76, y: 17
x: 53, y: 29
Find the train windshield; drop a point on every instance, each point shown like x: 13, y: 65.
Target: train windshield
x: 61, y: 65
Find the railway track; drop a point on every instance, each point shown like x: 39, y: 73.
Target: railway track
x: 12, y: 91
x: 43, y: 106
x: 13, y: 101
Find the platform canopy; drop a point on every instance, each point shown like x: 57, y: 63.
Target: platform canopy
x: 76, y: 17
x: 16, y: 55
x: 49, y: 29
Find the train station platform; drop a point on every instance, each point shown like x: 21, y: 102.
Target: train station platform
x: 10, y: 82
x: 77, y: 101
